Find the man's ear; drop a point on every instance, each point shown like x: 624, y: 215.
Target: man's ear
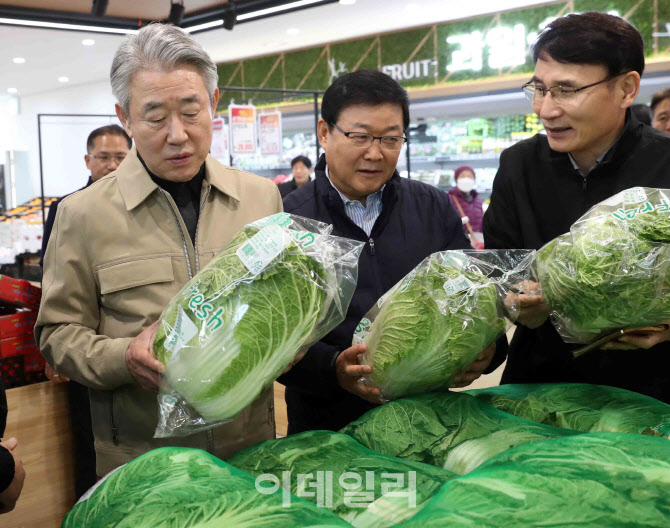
x: 123, y: 117
x: 322, y: 133
x: 87, y: 160
x: 215, y: 101
x: 629, y: 86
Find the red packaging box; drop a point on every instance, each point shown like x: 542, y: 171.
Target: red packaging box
x: 33, y: 362
x: 13, y: 372
x: 20, y: 323
x: 18, y: 346
x: 19, y: 292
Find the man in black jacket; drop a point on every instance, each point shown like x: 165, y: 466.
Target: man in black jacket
x: 587, y: 75
x: 358, y: 191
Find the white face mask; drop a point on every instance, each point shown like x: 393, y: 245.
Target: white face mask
x: 465, y: 184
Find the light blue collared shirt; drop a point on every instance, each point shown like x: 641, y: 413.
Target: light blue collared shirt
x: 363, y: 216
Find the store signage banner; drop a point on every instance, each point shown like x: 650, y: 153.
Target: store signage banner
x: 220, y: 149
x: 243, y: 139
x: 270, y: 133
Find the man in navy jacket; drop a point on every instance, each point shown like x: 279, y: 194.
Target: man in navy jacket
x: 358, y: 190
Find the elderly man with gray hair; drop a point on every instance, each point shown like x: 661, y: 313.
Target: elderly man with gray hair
x: 123, y: 247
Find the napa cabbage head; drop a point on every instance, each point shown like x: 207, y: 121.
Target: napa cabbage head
x: 249, y: 328
x: 430, y: 328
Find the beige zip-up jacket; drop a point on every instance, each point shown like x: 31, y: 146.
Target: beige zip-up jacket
x: 118, y: 253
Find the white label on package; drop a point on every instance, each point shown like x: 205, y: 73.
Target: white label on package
x: 634, y: 195
x: 184, y: 330
x: 263, y: 248
x: 460, y: 283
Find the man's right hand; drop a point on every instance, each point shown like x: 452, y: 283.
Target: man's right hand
x: 349, y: 372
x: 141, y: 362
x: 9, y: 497
x: 532, y: 310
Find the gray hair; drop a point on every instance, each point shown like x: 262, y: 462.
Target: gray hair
x: 159, y: 45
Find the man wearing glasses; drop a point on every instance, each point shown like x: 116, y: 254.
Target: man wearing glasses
x: 364, y: 116
x: 587, y: 75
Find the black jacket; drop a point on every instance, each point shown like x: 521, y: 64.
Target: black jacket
x: 537, y: 195
x: 51, y: 218
x: 287, y: 188
x: 416, y: 220
x: 6, y: 459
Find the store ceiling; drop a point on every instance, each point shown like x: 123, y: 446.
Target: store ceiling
x: 50, y: 54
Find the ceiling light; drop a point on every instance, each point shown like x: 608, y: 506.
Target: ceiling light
x: 19, y: 60
x: 206, y: 25
x: 63, y: 79
x: 292, y: 31
x: 347, y: 2
x: 277, y: 9
x: 12, y: 90
x: 88, y: 42
x: 56, y: 25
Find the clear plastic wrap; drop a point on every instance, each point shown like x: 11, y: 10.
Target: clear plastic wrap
x: 438, y: 319
x: 282, y: 283
x: 610, y: 271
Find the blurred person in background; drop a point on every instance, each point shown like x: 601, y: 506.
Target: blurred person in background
x: 106, y: 148
x: 660, y: 109
x: 587, y: 75
x: 301, y: 168
x: 468, y: 204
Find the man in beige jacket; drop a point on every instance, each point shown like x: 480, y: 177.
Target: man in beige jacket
x: 123, y: 247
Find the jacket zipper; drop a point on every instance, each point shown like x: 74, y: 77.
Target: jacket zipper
x: 181, y: 232
x: 115, y: 431
x: 197, y: 224
x: 372, y: 246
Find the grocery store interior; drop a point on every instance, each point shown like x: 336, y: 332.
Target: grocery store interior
x: 462, y: 64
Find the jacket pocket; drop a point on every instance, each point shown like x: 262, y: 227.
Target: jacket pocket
x: 126, y: 275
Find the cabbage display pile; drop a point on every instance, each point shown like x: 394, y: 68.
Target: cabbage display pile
x: 581, y: 407
x: 608, y: 480
x: 353, y: 471
x: 452, y: 430
x: 232, y: 329
x: 611, y: 271
x: 430, y: 326
x: 187, y: 488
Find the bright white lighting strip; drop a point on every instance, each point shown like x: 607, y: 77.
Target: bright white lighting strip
x: 56, y: 25
x: 277, y: 9
x: 206, y: 25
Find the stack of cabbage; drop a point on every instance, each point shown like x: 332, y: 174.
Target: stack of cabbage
x: 612, y: 270
x: 581, y: 407
x: 175, y: 487
x: 366, y: 489
x: 608, y: 480
x: 451, y: 430
x: 280, y: 285
x: 437, y: 320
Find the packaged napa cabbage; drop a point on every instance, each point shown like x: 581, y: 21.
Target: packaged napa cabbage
x: 281, y: 284
x: 332, y: 470
x: 451, y: 430
x: 608, y: 480
x: 581, y: 407
x: 189, y: 488
x: 433, y: 323
x: 612, y: 270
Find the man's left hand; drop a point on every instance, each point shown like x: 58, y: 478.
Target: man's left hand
x: 476, y: 368
x: 642, y: 338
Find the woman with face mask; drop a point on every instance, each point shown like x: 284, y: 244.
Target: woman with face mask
x: 468, y: 204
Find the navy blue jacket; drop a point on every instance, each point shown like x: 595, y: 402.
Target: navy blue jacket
x: 537, y: 195
x: 416, y: 220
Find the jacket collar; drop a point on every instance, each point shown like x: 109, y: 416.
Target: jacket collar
x: 135, y: 184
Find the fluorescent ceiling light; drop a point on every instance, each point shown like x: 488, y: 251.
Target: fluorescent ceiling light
x: 19, y: 60
x: 347, y: 2
x: 277, y: 9
x: 12, y: 90
x: 206, y: 25
x: 88, y: 42
x: 55, y: 25
x: 63, y: 79
x: 292, y: 31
